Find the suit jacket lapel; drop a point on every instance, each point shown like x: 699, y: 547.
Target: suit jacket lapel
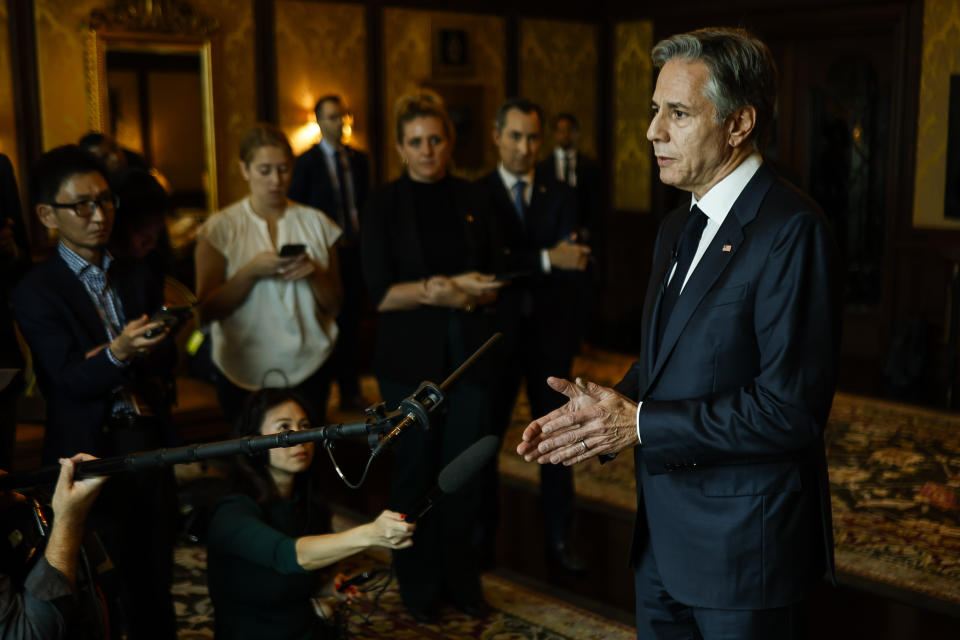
x: 712, y: 264
x: 78, y: 302
x: 465, y: 213
x: 510, y: 219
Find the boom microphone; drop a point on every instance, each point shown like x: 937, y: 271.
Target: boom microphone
x: 427, y: 399
x: 457, y: 473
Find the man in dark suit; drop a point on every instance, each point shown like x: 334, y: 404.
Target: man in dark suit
x: 105, y: 381
x: 725, y: 409
x: 335, y: 178
x: 570, y: 166
x: 537, y: 217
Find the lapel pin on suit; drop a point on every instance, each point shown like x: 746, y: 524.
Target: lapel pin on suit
x: 727, y: 248
x: 542, y: 189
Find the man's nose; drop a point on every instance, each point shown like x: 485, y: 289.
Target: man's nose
x: 656, y: 131
x: 523, y: 146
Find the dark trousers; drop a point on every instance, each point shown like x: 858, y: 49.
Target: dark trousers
x: 527, y: 363
x: 441, y: 564
x: 345, y: 357
x: 315, y: 389
x: 661, y: 617
x: 136, y: 519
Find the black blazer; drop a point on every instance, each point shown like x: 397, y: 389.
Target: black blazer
x: 732, y: 489
x: 310, y: 183
x: 550, y: 218
x: 411, y: 344
x: 61, y: 324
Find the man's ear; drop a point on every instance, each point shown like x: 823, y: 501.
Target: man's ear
x: 47, y: 216
x: 740, y: 125
x: 496, y: 136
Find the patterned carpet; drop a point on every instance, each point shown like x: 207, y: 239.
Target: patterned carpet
x: 894, y: 475
x: 519, y: 614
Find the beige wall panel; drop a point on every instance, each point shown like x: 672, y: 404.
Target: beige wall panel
x: 61, y: 36
x: 558, y: 71
x: 408, y: 64
x: 321, y: 49
x: 8, y: 125
x: 632, y: 78
x: 234, y: 99
x: 941, y: 59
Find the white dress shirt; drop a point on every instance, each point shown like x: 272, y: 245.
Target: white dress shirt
x: 715, y: 204
x: 569, y: 158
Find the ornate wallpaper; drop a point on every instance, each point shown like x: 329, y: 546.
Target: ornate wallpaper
x: 409, y: 64
x: 321, y: 49
x: 234, y: 87
x: 61, y: 37
x: 8, y: 136
x: 941, y: 59
x: 632, y: 86
x: 558, y: 70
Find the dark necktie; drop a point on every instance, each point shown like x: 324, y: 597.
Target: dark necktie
x: 345, y: 204
x: 686, y: 249
x: 518, y: 202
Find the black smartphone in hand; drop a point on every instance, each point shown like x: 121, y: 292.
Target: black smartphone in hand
x: 292, y: 250
x: 171, y: 317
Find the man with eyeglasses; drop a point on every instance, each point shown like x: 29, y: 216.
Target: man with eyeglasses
x: 106, y: 383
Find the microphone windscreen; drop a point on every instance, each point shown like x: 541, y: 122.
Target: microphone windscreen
x: 467, y: 464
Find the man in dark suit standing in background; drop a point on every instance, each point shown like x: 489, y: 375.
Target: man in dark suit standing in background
x: 335, y: 178
x: 725, y: 409
x: 537, y: 217
x: 570, y: 166
x: 105, y: 377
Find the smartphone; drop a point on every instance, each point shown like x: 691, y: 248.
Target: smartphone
x: 292, y: 250
x: 171, y: 317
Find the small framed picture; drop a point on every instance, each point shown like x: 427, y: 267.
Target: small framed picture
x: 451, y: 51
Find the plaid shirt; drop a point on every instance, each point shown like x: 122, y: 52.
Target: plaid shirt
x: 109, y: 308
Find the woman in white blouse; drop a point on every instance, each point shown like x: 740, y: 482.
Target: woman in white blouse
x: 273, y: 316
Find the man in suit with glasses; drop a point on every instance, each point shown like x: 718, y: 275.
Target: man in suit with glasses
x: 105, y: 371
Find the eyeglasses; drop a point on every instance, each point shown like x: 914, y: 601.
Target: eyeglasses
x: 106, y: 203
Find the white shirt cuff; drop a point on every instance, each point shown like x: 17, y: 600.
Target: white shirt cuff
x: 639, y: 439
x: 545, y: 260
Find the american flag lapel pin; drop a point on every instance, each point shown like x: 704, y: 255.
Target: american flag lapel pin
x: 727, y: 248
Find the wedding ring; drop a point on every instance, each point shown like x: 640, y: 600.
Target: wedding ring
x: 584, y: 445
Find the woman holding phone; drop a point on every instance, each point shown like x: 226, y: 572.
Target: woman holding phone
x: 268, y: 281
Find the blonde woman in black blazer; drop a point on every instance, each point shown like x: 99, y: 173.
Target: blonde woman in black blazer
x: 428, y: 255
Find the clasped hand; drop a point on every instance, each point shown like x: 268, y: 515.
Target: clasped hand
x: 460, y: 290
x: 595, y: 420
